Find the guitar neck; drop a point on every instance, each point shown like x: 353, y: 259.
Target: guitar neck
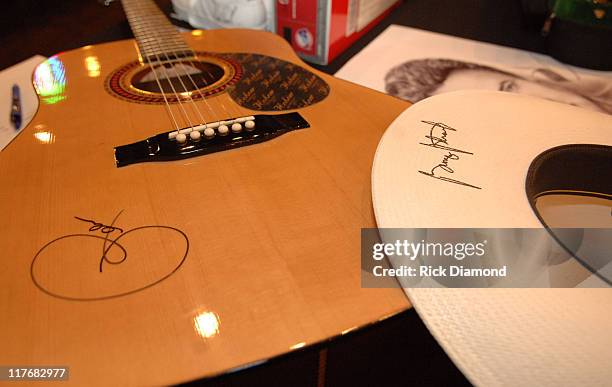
x: 158, y: 40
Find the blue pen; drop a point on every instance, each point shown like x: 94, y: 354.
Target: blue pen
x: 16, y: 108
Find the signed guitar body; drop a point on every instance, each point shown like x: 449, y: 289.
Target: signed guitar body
x: 168, y: 271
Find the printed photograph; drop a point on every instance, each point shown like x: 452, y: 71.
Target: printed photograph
x: 414, y: 64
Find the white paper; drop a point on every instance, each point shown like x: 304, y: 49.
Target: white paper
x: 20, y: 74
x: 539, y: 75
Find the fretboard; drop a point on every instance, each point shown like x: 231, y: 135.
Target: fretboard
x: 158, y: 40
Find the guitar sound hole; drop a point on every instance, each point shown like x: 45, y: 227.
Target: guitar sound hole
x: 179, y: 77
x: 208, y: 74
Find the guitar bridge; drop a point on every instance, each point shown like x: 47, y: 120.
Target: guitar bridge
x: 209, y: 138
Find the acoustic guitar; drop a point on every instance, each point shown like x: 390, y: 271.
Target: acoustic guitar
x: 185, y: 204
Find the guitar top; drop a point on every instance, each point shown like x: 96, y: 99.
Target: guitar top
x: 232, y: 239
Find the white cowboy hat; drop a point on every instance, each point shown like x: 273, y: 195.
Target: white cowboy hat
x: 496, y: 336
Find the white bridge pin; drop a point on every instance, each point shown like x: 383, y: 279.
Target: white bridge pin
x: 223, y: 130
x: 209, y: 132
x: 195, y: 135
x: 236, y: 128
x: 181, y: 138
x: 249, y: 125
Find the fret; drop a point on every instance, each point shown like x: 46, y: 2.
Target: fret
x: 157, y: 39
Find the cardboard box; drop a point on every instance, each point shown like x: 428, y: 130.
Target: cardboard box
x: 319, y: 30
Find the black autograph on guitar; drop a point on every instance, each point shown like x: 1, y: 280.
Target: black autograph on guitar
x: 99, y: 226
x: 113, y: 240
x: 438, y: 139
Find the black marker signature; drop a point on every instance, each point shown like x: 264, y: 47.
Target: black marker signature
x: 99, y: 226
x: 438, y: 139
x: 107, y: 245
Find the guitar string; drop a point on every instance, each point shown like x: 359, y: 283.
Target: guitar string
x: 167, y: 104
x: 165, y: 53
x: 203, y: 79
x: 137, y: 26
x: 220, y: 99
x: 176, y: 126
x: 199, y: 90
x: 174, y: 41
x: 177, y: 96
x: 144, y: 22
